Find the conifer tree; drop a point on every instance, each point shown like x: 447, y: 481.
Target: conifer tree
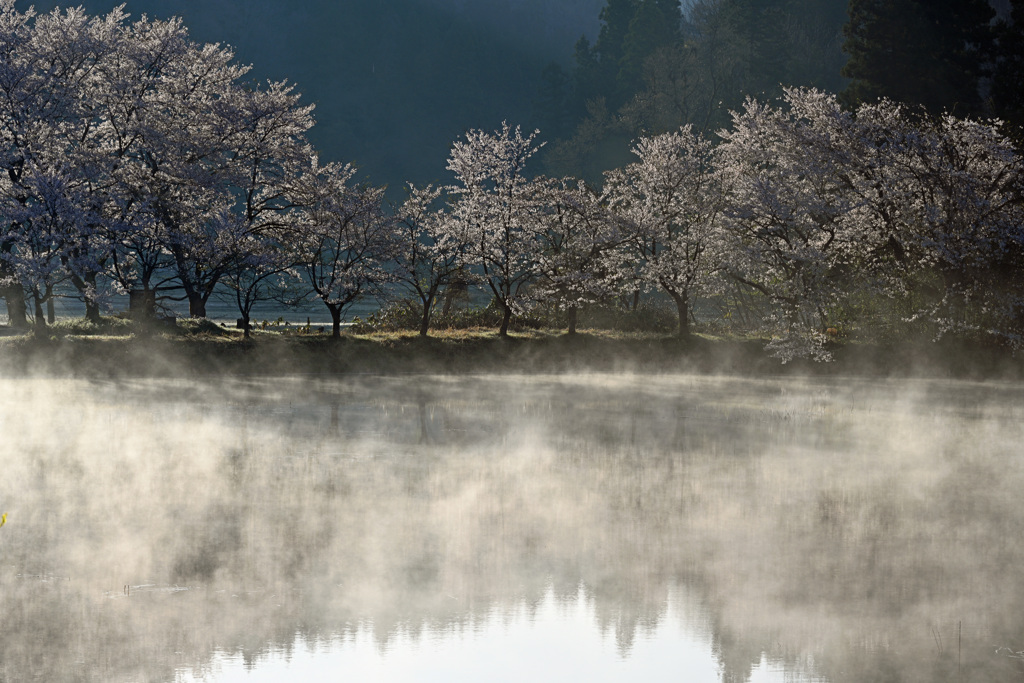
x: 615, y: 20
x: 761, y: 26
x: 924, y: 52
x: 653, y: 26
x: 1007, y: 95
x: 587, y: 78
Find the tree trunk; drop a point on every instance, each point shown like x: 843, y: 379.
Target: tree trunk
x: 85, y: 286
x: 196, y: 305
x: 572, y: 319
x: 51, y: 313
x: 449, y: 297
x: 425, y: 320
x: 683, y: 306
x: 17, y: 311
x: 92, y: 311
x: 92, y: 307
x: 245, y: 326
x: 335, y: 321
x: 505, y: 319
x: 40, y: 314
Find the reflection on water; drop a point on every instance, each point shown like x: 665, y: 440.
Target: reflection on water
x: 553, y: 639
x: 502, y: 528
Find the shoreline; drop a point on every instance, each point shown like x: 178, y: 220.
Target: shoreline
x: 482, y: 351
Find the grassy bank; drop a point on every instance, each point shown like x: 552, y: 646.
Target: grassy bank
x: 204, y: 349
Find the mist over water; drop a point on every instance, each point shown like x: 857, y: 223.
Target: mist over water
x: 616, y: 527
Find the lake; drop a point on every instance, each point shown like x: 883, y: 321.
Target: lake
x: 506, y: 528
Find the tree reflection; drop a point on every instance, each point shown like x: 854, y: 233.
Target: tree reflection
x: 839, y: 530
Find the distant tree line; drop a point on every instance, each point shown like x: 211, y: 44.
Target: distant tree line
x: 138, y: 161
x: 657, y: 65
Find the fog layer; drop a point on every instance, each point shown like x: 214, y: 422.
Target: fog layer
x: 850, y: 530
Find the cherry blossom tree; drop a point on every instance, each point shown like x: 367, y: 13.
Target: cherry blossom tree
x: 343, y: 236
x: 497, y: 208
x: 930, y: 209
x: 672, y: 202
x: 131, y: 89
x: 162, y: 156
x: 430, y: 250
x: 973, y: 226
x: 262, y: 270
x: 48, y: 130
x: 43, y: 229
x: 787, y: 213
x: 824, y: 202
x: 582, y: 260
x: 208, y: 144
x: 943, y: 200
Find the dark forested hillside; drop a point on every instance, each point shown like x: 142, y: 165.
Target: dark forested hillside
x: 394, y: 82
x: 653, y: 68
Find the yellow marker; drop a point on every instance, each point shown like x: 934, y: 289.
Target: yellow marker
x: 3, y: 519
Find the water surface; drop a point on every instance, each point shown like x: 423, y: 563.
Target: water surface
x: 509, y: 528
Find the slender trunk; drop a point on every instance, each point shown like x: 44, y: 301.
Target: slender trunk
x: 572, y: 319
x: 505, y: 319
x: 742, y: 307
x: 245, y: 326
x: 39, y: 313
x: 13, y: 293
x: 425, y: 320
x: 636, y: 299
x: 51, y: 313
x: 92, y: 307
x: 449, y: 297
x: 92, y: 311
x: 86, y: 286
x: 683, y: 306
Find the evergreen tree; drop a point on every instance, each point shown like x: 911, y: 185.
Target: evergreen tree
x: 815, y: 48
x: 610, y: 48
x: 761, y: 27
x: 551, y: 108
x: 672, y: 11
x: 611, y: 69
x: 616, y: 16
x: 925, y: 52
x: 653, y: 26
x: 675, y: 70
x: 1007, y: 95
x: 587, y: 78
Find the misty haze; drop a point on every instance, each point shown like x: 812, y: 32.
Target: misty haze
x: 606, y: 527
